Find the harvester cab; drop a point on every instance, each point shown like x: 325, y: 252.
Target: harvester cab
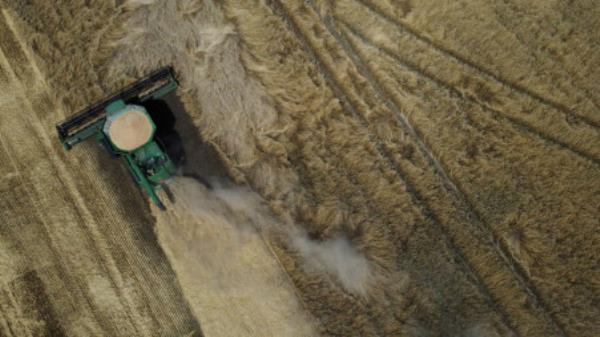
x: 135, y: 125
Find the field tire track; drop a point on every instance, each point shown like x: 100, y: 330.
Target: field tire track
x: 279, y: 10
x: 415, y: 195
x: 584, y: 90
x: 484, y: 72
x: 443, y: 85
x: 460, y: 194
x: 457, y: 191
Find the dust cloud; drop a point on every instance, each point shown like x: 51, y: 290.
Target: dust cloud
x: 245, y: 212
x: 232, y: 281
x: 337, y: 257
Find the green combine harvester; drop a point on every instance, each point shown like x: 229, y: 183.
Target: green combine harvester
x: 137, y: 126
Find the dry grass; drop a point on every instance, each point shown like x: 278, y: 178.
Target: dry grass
x: 521, y: 195
x: 454, y: 144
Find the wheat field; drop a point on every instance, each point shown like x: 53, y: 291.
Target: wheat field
x: 354, y: 168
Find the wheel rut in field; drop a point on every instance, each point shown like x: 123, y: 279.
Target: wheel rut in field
x: 367, y: 50
x: 452, y: 90
x: 458, y: 193
x: 417, y: 198
x: 453, y: 158
x: 546, y: 121
x: 407, y: 29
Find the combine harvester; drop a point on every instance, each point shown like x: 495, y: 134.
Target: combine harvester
x: 137, y: 126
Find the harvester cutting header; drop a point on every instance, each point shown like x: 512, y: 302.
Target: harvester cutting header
x: 135, y: 125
